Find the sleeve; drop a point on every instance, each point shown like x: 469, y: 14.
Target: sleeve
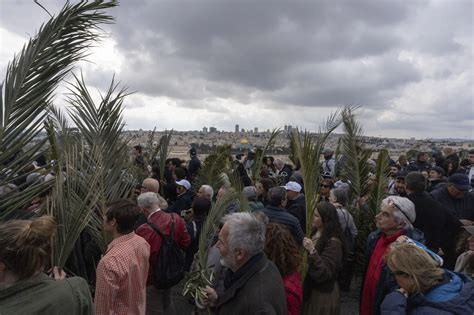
x: 107, y: 287
x: 352, y: 226
x: 183, y: 236
x: 298, y: 232
x: 324, y: 267
x: 82, y: 295
x: 394, y: 303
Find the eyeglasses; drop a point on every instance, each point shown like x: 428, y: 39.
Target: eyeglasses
x: 392, y: 203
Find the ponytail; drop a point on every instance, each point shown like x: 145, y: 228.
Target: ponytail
x: 25, y: 245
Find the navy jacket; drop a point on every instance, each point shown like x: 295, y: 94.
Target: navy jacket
x: 453, y: 296
x: 281, y: 216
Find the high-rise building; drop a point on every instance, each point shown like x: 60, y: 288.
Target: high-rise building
x: 289, y: 129
x: 204, y: 129
x: 212, y: 129
x: 236, y: 128
x: 255, y: 129
x: 242, y: 130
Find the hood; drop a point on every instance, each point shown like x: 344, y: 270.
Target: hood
x: 455, y: 296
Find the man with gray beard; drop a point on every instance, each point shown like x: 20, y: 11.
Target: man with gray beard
x: 252, y: 285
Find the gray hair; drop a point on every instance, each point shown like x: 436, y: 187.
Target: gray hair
x: 250, y: 192
x: 278, y: 162
x: 404, y: 210
x: 246, y: 232
x: 341, y: 196
x: 148, y: 200
x: 208, y: 190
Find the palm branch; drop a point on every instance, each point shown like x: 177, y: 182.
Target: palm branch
x: 308, y: 149
x: 203, y: 276
x: 32, y: 77
x: 355, y: 168
x: 215, y: 164
x: 101, y: 127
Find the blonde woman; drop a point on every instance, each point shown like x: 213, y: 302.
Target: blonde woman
x: 425, y: 288
x: 25, y: 250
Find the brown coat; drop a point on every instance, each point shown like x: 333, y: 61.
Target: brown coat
x: 321, y: 290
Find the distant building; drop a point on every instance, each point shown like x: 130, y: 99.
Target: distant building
x: 255, y: 130
x: 236, y: 128
x: 204, y: 129
x: 242, y: 130
x: 212, y: 129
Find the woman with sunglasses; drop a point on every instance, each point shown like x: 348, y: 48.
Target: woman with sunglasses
x: 425, y: 288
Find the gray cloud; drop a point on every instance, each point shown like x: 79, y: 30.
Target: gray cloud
x: 293, y: 57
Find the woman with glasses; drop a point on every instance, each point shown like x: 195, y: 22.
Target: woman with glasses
x: 425, y: 288
x: 25, y: 249
x: 320, y: 289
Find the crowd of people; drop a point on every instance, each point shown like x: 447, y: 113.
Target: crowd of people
x: 418, y: 260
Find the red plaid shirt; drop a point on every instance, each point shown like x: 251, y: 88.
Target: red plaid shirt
x: 121, y: 277
x: 163, y: 221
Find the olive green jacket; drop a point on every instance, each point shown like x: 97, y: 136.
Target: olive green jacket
x: 43, y: 295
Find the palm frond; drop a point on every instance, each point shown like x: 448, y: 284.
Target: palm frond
x: 198, y: 280
x: 215, y: 164
x: 163, y: 150
x: 355, y: 168
x: 35, y: 72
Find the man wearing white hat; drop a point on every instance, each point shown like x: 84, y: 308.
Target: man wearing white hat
x: 296, y: 203
x: 184, y: 197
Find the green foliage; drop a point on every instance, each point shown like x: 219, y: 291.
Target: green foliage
x: 28, y: 89
x: 214, y: 166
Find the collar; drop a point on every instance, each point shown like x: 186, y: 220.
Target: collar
x: 232, y: 277
x: 150, y: 215
x: 120, y: 239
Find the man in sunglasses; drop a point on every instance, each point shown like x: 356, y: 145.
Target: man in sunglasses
x: 395, y: 218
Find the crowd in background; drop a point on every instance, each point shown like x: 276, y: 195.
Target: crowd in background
x: 418, y: 260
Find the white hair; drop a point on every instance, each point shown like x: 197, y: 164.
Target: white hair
x: 246, y: 232
x: 208, y: 190
x: 404, y: 211
x: 148, y: 200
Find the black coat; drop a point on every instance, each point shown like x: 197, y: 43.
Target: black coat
x: 297, y: 208
x: 258, y: 291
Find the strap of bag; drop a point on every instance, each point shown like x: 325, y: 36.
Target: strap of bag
x: 157, y: 230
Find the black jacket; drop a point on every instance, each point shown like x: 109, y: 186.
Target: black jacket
x: 183, y: 202
x: 431, y: 219
x: 259, y: 290
x: 460, y: 208
x: 297, y: 208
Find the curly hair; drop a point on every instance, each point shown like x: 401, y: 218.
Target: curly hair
x: 282, y: 250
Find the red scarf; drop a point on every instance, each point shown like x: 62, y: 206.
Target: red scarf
x: 372, y: 277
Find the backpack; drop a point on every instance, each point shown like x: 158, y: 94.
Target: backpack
x: 169, y: 266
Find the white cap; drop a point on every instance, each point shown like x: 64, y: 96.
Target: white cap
x: 184, y: 183
x: 293, y: 186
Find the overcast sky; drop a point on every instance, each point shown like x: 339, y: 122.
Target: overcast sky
x: 264, y: 64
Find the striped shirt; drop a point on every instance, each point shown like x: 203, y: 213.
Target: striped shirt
x: 121, y: 277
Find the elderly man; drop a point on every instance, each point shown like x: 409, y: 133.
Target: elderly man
x: 253, y: 284
x: 284, y: 171
x: 395, y: 218
x: 158, y: 301
x: 205, y: 191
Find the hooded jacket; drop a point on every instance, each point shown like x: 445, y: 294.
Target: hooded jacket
x: 455, y: 295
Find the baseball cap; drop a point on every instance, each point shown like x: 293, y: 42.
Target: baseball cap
x: 461, y: 181
x: 184, y: 183
x: 293, y: 186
